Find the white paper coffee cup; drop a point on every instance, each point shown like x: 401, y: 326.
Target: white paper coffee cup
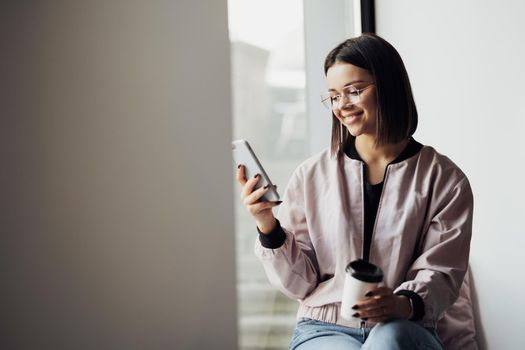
x: 361, y: 276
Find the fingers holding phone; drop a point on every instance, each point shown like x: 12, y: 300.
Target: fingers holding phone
x: 250, y: 194
x: 251, y: 197
x: 244, y: 155
x: 258, y: 194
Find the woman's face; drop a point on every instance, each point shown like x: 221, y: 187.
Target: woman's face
x: 359, y: 118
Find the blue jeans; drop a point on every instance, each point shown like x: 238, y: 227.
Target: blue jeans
x: 394, y: 335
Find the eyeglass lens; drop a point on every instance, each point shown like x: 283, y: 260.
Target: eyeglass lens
x: 351, y: 94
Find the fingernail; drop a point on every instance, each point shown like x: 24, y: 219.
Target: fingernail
x: 355, y: 307
x: 265, y: 187
x: 356, y: 314
x: 369, y: 294
x: 278, y: 202
x: 257, y: 175
x: 239, y: 166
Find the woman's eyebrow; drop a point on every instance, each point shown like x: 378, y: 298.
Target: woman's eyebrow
x: 348, y: 84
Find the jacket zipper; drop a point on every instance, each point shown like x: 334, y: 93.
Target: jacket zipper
x: 363, y: 211
x: 387, y: 169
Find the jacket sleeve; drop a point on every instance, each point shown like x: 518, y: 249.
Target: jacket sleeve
x: 292, y: 267
x: 438, y: 272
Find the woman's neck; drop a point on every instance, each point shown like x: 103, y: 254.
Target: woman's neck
x: 371, y: 153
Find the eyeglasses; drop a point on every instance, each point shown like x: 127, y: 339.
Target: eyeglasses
x: 351, y: 93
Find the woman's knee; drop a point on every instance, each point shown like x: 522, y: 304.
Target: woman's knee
x: 401, y: 334
x: 393, y: 328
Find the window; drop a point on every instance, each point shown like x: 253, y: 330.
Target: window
x: 268, y: 82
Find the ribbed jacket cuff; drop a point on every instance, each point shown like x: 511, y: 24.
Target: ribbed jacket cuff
x: 273, y: 240
x: 418, y: 310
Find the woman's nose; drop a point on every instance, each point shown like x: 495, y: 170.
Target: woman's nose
x: 345, y: 102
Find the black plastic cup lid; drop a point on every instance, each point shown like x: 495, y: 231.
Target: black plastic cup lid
x: 365, y: 271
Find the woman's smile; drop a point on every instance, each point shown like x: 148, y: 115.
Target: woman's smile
x: 352, y: 118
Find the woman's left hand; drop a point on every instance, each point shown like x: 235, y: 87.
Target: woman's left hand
x: 383, y: 305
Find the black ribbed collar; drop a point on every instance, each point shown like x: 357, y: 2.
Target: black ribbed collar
x: 411, y: 149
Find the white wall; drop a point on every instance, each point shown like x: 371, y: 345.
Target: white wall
x: 466, y: 63
x: 116, y: 208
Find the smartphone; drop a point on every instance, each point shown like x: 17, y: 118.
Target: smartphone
x: 244, y: 154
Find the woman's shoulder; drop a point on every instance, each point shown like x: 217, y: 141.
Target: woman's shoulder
x: 316, y: 166
x: 440, y: 164
x: 315, y: 173
x: 322, y: 161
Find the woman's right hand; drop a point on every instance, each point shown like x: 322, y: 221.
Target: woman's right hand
x: 261, y: 211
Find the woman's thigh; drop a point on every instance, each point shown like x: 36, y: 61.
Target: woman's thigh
x: 315, y: 335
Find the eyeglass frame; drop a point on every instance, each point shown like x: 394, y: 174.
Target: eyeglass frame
x: 326, y: 99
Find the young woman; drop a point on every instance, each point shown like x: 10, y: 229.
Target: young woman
x: 378, y: 195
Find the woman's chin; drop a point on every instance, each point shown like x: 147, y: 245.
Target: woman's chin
x: 353, y: 131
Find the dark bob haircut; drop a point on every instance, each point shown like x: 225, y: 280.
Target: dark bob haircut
x: 396, y: 117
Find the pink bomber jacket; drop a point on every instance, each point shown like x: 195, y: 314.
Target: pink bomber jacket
x: 421, y: 236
